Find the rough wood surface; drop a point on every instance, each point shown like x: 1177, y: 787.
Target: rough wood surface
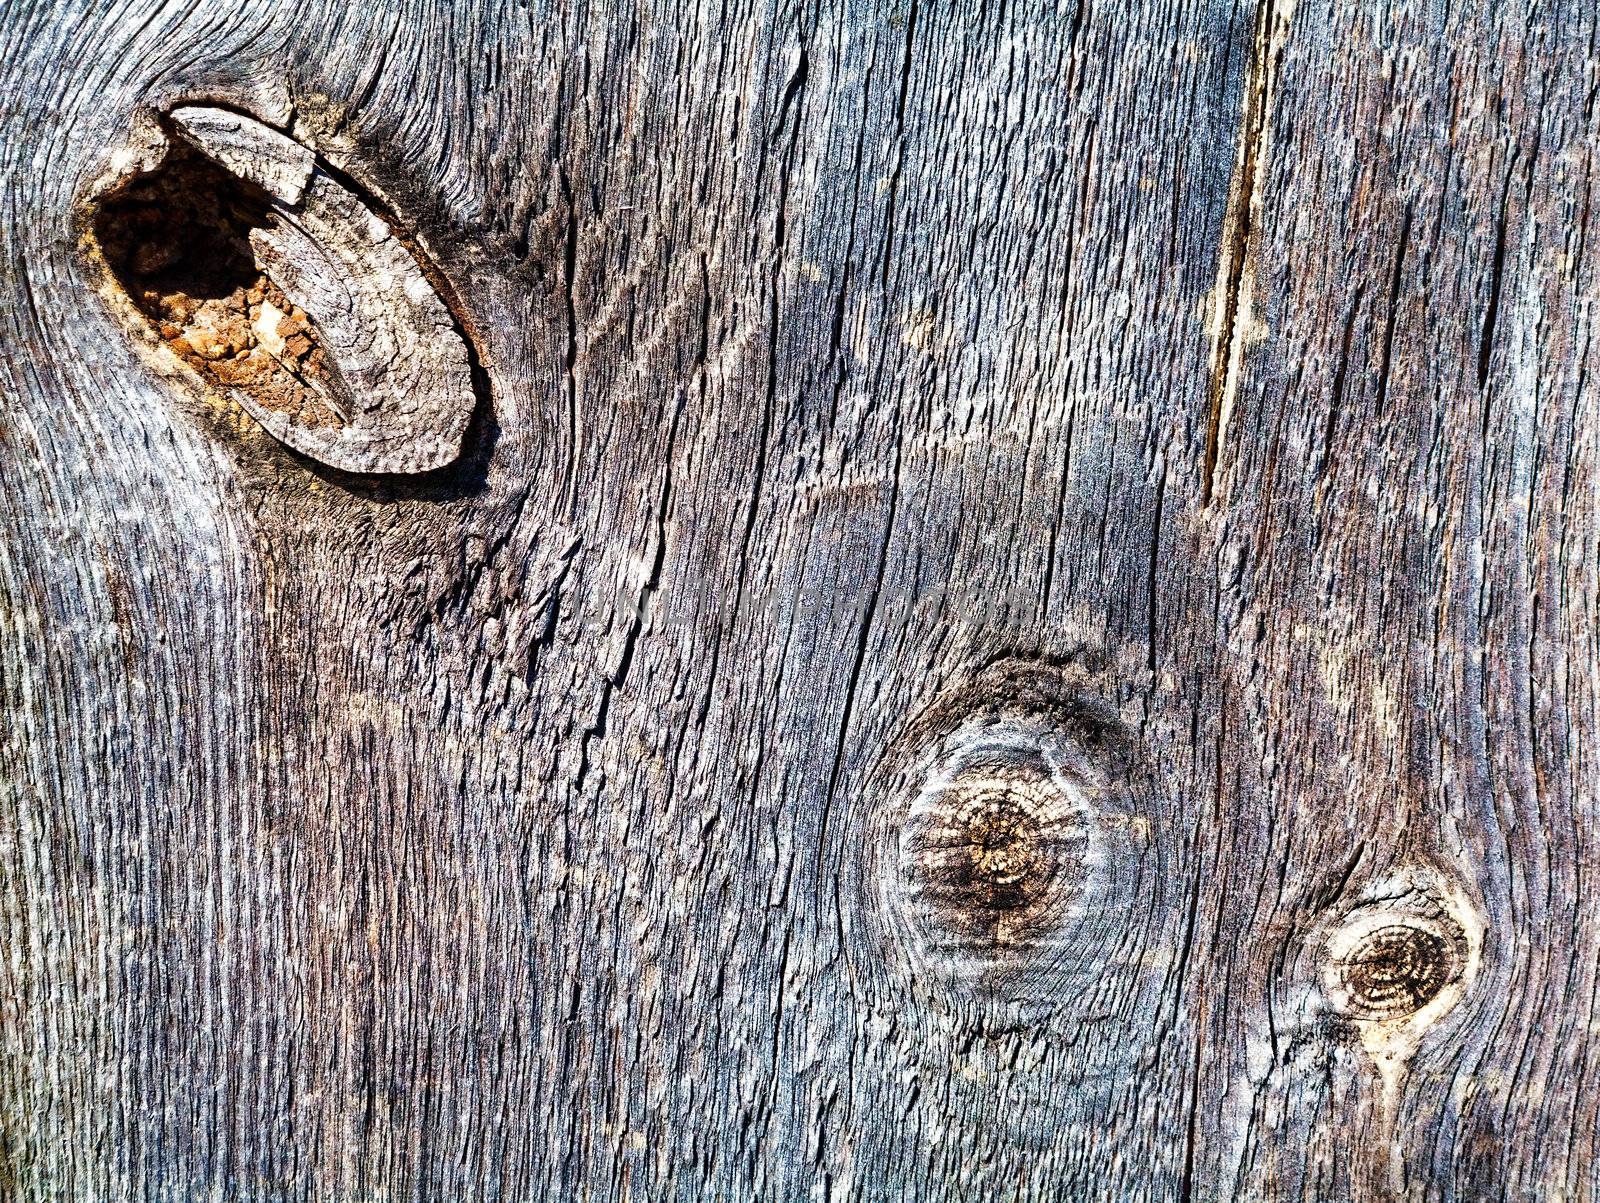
x: 1018, y: 618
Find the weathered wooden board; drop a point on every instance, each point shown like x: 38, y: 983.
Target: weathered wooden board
x: 1018, y: 616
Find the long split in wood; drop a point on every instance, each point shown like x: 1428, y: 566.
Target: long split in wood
x: 1229, y: 323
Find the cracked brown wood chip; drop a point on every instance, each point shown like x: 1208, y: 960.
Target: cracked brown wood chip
x: 350, y: 329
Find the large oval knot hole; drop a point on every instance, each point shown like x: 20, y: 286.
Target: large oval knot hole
x: 289, y: 294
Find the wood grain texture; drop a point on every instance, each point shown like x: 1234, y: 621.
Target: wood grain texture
x: 1019, y: 619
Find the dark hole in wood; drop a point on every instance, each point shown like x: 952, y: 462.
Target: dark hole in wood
x: 177, y: 241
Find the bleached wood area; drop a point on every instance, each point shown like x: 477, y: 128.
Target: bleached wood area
x: 1010, y: 610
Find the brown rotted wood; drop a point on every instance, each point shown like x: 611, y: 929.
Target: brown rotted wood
x: 1016, y: 617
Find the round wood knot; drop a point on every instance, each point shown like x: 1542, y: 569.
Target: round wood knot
x: 992, y: 853
x: 1005, y: 861
x: 1396, y: 970
x: 1393, y: 969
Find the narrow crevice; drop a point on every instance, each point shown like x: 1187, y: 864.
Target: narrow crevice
x: 1153, y: 576
x: 1237, y: 229
x: 613, y: 681
x: 893, y: 199
x: 1340, y: 376
x: 569, y: 361
x: 1395, y: 280
x: 1497, y: 275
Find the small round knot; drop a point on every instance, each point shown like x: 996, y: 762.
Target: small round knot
x: 1395, y: 969
x: 992, y: 853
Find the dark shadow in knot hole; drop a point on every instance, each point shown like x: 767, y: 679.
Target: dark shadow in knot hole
x: 178, y: 241
x: 181, y: 231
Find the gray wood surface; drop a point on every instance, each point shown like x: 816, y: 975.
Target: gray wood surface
x: 1017, y: 618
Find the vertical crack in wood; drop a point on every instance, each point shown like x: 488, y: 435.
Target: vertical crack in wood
x: 1228, y: 323
x: 569, y: 358
x: 1496, y: 277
